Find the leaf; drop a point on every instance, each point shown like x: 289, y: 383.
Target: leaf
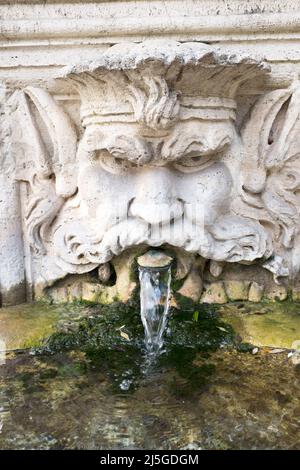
x: 120, y: 328
x: 276, y: 351
x: 222, y: 329
x: 124, y: 335
x: 196, y: 315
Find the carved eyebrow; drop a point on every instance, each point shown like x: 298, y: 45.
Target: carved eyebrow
x: 182, y: 147
x: 194, y: 143
x: 131, y: 148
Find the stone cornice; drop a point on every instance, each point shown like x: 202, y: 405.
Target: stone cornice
x: 45, y: 36
x: 215, y: 28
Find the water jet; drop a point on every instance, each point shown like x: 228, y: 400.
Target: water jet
x: 155, y: 290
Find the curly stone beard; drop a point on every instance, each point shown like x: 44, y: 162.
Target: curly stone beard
x: 231, y: 239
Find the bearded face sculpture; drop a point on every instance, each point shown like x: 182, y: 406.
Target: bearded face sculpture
x: 159, y: 161
x: 139, y: 185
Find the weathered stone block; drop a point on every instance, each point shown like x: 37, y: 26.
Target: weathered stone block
x: 277, y: 293
x: 296, y: 294
x: 192, y: 286
x: 59, y: 295
x: 256, y: 292
x: 91, y: 291
x: 237, y: 290
x: 215, y: 294
x: 75, y: 292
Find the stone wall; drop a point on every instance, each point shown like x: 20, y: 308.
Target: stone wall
x: 129, y: 124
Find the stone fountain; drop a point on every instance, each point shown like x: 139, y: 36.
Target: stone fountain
x: 141, y: 148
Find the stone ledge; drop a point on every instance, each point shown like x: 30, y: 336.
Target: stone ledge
x: 113, y: 23
x: 40, y: 33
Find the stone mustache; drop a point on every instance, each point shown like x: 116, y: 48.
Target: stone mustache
x: 158, y: 160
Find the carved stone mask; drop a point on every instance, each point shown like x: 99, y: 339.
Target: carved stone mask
x: 161, y: 186
x: 157, y: 160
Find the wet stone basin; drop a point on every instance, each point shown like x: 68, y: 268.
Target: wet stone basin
x: 75, y: 392
x: 266, y: 324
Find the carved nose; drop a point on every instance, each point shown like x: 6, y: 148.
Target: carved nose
x: 156, y: 201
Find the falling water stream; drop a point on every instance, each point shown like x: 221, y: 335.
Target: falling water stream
x: 155, y: 301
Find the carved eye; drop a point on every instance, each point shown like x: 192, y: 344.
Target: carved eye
x: 113, y: 164
x: 194, y: 163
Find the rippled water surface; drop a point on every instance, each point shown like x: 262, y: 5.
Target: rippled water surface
x: 221, y: 400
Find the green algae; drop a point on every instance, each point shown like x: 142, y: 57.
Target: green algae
x: 265, y: 324
x: 118, y: 326
x: 88, y: 325
x: 112, y: 338
x: 25, y: 325
x: 190, y: 376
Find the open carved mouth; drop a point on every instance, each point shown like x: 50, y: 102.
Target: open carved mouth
x: 150, y: 257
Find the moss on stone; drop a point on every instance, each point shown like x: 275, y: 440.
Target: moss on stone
x: 268, y: 323
x: 237, y: 290
x: 215, y: 293
x: 176, y: 284
x: 26, y: 325
x: 102, y: 329
x: 193, y: 328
